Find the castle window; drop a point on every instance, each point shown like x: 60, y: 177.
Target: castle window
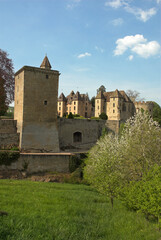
x: 60, y: 103
x: 113, y: 111
x: 86, y: 103
x: 113, y: 99
x: 74, y: 103
x: 70, y: 109
x: 59, y: 108
x: 74, y: 108
x: 47, y: 76
x: 45, y: 102
x: 86, y: 108
x: 124, y: 107
x: 113, y: 104
x: 98, y: 107
x: 77, y: 137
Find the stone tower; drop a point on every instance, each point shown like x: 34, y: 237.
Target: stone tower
x: 36, y: 92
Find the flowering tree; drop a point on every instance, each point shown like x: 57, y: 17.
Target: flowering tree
x: 6, y: 80
x: 103, y: 166
x: 116, y: 161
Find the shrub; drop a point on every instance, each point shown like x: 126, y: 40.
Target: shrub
x: 103, y: 116
x: 8, y: 157
x: 70, y: 116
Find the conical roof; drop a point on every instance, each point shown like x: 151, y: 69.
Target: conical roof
x: 45, y: 63
x: 77, y: 96
x: 62, y: 98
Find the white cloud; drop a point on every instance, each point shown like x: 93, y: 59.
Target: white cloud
x: 99, y: 49
x: 130, y: 57
x: 117, y: 21
x: 82, y: 55
x: 127, y: 42
x: 141, y: 14
x: 72, y: 4
x: 147, y: 50
x: 137, y: 44
x: 114, y: 3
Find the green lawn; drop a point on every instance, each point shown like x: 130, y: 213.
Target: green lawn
x: 49, y: 211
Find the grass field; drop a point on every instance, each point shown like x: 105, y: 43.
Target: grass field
x: 54, y: 211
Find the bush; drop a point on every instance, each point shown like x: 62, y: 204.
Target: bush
x: 8, y: 157
x: 70, y: 116
x: 103, y: 116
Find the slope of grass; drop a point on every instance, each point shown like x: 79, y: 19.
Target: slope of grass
x: 54, y: 211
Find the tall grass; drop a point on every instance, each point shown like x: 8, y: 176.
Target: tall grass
x: 54, y: 211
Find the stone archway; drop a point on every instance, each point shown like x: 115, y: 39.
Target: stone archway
x: 77, y: 137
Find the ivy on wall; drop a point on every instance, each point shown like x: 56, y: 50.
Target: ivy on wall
x: 8, y: 157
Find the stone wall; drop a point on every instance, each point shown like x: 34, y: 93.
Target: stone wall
x: 8, y: 134
x: 90, y: 132
x: 41, y: 162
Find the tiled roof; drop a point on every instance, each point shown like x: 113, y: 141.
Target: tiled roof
x: 62, y: 98
x: 100, y: 95
x: 45, y: 63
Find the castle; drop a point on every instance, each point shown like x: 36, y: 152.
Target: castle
x: 75, y: 103
x: 46, y: 142
x: 116, y: 104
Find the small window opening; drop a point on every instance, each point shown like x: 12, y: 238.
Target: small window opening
x: 77, y: 137
x: 45, y: 102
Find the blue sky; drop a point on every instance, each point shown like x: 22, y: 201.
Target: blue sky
x: 115, y: 43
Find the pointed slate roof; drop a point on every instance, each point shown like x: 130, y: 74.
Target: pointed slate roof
x: 77, y: 96
x: 45, y: 63
x: 62, y: 98
x: 116, y: 94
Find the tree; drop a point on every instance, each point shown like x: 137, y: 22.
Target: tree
x: 3, y: 105
x: 103, y: 168
x: 103, y: 116
x: 93, y: 101
x: 70, y: 116
x: 6, y: 79
x: 157, y: 112
x: 102, y: 89
x: 134, y: 95
x: 117, y: 161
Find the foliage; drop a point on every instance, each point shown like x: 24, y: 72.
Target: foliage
x: 134, y: 95
x: 3, y: 105
x: 95, y: 118
x: 8, y: 157
x: 101, y: 89
x: 45, y: 211
x: 103, y: 116
x: 64, y: 115
x: 122, y: 125
x: 104, y: 132
x: 141, y: 141
x: 145, y: 195
x: 118, y: 161
x: 6, y: 79
x: 157, y: 112
x: 93, y: 101
x: 103, y: 168
x: 70, y: 116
